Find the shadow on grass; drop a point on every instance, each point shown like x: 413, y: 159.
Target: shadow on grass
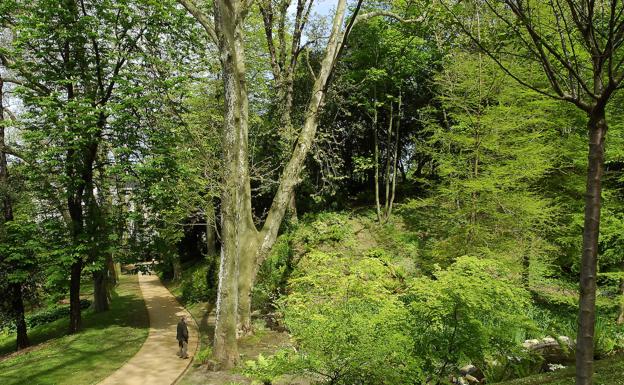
x: 107, y: 340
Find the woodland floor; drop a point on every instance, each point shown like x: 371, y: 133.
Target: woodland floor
x: 609, y: 371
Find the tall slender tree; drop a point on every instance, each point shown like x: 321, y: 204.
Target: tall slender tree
x: 578, y: 44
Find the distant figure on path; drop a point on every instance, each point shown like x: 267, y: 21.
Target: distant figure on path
x: 182, y: 337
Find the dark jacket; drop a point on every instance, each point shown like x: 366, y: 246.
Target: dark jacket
x: 182, y: 334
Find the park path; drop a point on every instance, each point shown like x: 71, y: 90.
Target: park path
x: 156, y: 363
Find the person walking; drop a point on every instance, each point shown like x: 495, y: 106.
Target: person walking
x: 182, y: 337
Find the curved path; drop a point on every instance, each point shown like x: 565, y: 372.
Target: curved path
x: 156, y: 363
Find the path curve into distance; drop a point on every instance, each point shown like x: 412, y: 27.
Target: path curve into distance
x: 156, y: 363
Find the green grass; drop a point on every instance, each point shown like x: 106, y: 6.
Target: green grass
x: 107, y: 341
x: 609, y: 371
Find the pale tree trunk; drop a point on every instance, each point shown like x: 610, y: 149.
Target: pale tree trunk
x: 292, y: 208
x: 388, y: 163
x: 112, y: 276
x: 396, y: 158
x: 597, y: 126
x: 291, y: 174
x: 376, y: 160
x: 238, y: 230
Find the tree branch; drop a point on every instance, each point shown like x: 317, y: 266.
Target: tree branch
x: 201, y: 17
x: 370, y: 15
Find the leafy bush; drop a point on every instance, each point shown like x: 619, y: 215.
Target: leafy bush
x: 48, y: 315
x: 348, y: 322
x: 265, y: 370
x: 314, y: 231
x: 204, y: 355
x: 194, y: 286
x: 470, y: 312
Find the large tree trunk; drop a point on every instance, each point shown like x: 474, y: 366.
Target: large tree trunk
x: 75, y: 317
x: 17, y: 306
x: 247, y: 273
x: 237, y: 220
x: 587, y: 302
x: 100, y: 291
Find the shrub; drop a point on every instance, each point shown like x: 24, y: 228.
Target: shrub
x: 349, y: 324
x: 470, y: 312
x: 47, y: 315
x: 194, y: 286
x: 204, y: 355
x: 265, y: 370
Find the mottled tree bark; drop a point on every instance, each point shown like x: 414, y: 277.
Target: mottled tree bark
x: 237, y: 221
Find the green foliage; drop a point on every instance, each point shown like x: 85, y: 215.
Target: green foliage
x: 265, y: 370
x: 347, y: 322
x: 194, y: 285
x: 470, y: 312
x: 204, y: 355
x: 47, y: 315
x: 314, y: 231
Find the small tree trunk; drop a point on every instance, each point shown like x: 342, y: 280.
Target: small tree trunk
x: 111, y: 272
x: 388, y: 163
x: 75, y: 317
x: 587, y: 302
x: 395, y: 157
x: 526, y: 265
x: 17, y: 300
x: 211, y: 232
x: 292, y: 208
x: 620, y: 319
x: 177, y: 268
x: 17, y: 305
x: 100, y: 291
x: 376, y: 161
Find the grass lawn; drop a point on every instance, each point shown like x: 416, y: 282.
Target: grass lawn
x: 609, y: 371
x: 107, y: 341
